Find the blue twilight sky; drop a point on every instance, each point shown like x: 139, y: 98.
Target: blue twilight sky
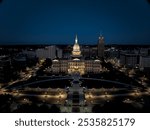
x: 58, y: 21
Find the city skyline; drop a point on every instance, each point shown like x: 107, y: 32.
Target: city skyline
x: 65, y: 79
x: 57, y: 22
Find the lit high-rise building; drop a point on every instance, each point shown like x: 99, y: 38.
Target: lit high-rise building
x: 145, y: 62
x: 128, y: 59
x: 49, y: 52
x: 101, y: 47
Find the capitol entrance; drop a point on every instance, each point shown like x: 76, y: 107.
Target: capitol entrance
x: 76, y: 66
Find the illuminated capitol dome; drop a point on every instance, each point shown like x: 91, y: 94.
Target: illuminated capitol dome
x: 76, y: 49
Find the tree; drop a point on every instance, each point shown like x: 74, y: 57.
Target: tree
x: 48, y: 62
x: 54, y: 109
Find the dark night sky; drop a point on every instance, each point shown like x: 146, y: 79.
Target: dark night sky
x: 57, y: 21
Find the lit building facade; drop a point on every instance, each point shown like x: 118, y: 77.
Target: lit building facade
x: 76, y: 66
x: 101, y: 47
x: 76, y: 63
x: 49, y: 52
x: 145, y: 62
x: 129, y: 59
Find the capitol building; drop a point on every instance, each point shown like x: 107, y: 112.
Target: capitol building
x: 76, y: 63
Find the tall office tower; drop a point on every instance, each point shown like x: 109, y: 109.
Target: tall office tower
x: 129, y: 59
x: 144, y: 62
x: 47, y: 52
x: 101, y: 47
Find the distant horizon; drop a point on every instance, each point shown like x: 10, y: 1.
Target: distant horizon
x: 59, y: 44
x: 71, y: 43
